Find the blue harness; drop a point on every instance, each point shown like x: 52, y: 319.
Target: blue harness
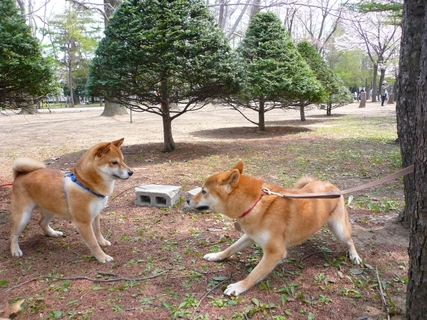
x: 74, y: 179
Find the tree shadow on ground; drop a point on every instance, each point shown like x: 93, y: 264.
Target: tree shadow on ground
x: 147, y: 153
x: 249, y: 132
x: 187, y: 151
x: 310, y: 120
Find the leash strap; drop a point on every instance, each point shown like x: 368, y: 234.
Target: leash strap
x: 6, y: 185
x: 337, y: 194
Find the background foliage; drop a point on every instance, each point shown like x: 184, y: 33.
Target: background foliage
x: 24, y: 71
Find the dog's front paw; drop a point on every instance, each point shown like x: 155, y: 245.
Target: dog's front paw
x: 104, y: 243
x: 56, y: 234
x: 105, y: 258
x: 235, y: 289
x: 355, y: 259
x: 212, y: 257
x: 16, y: 252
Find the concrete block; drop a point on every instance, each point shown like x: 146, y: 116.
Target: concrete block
x: 192, y: 192
x: 188, y: 195
x: 154, y: 195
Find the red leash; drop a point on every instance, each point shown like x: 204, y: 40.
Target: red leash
x: 6, y: 185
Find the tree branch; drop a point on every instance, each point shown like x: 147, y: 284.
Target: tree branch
x: 382, y: 295
x: 90, y: 6
x: 87, y: 279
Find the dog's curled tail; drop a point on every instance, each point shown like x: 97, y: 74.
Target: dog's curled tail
x: 301, y: 182
x: 26, y: 165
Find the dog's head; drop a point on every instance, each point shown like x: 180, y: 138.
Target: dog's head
x: 216, y: 190
x: 109, y: 160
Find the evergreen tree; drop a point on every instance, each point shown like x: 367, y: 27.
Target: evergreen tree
x: 24, y: 74
x: 274, y: 73
x: 156, y: 53
x: 110, y: 108
x: 337, y: 94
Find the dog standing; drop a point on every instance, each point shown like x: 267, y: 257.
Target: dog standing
x: 79, y: 196
x: 272, y: 222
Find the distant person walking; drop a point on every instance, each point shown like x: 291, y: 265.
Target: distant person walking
x: 384, y: 92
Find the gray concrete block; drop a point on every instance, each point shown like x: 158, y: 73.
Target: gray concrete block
x: 188, y: 195
x: 154, y: 195
x: 192, y: 192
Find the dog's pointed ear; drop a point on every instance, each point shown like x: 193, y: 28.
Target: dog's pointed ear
x: 118, y: 143
x: 103, y: 149
x: 233, y: 179
x: 239, y: 166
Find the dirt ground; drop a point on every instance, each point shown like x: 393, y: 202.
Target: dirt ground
x: 158, y: 272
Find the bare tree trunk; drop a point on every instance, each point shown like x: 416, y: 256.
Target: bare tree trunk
x: 329, y: 106
x: 222, y: 15
x: 413, y: 58
x: 30, y: 18
x: 168, y: 142
x: 21, y: 4
x: 374, y: 83
x: 256, y: 7
x: 237, y: 22
x: 70, y: 80
x: 26, y: 103
x: 261, y: 116
x: 113, y: 109
x: 302, y: 111
x: 288, y: 22
x: 417, y: 284
x: 409, y: 67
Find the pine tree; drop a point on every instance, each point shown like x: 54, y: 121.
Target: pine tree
x: 336, y: 94
x: 24, y: 73
x: 156, y: 53
x: 274, y: 73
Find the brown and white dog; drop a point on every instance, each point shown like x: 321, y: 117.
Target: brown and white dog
x: 79, y: 196
x: 272, y: 222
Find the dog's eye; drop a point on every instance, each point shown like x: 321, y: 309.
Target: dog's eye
x: 114, y: 163
x: 203, y: 191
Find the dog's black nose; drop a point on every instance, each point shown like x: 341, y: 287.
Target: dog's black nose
x: 130, y: 172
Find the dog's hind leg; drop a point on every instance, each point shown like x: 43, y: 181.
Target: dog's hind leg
x: 44, y: 221
x: 20, y: 217
x: 341, y: 228
x: 238, y: 246
x: 97, y: 230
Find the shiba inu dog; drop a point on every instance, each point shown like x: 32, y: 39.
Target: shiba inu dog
x: 79, y: 196
x: 272, y: 222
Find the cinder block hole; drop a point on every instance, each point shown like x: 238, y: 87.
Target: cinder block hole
x: 161, y: 201
x: 145, y: 199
